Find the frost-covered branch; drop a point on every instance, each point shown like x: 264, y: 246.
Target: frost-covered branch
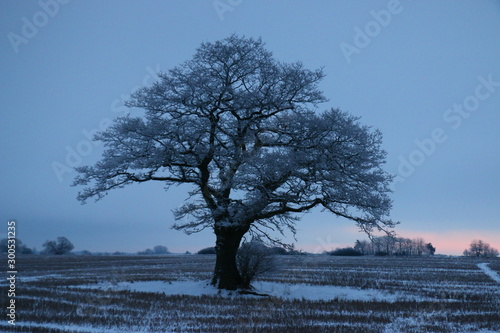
x: 239, y: 127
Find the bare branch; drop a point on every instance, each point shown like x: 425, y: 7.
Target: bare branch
x: 239, y: 126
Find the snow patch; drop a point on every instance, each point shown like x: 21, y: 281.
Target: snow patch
x: 488, y: 271
x: 325, y: 293
x: 275, y: 289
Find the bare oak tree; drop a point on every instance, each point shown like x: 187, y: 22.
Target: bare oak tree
x: 240, y: 127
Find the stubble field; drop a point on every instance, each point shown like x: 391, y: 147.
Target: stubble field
x: 307, y: 293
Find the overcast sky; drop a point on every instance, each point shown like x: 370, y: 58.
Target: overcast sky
x: 427, y: 74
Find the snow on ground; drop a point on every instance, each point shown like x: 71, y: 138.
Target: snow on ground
x: 65, y: 328
x: 491, y: 273
x: 41, y: 277
x: 280, y: 290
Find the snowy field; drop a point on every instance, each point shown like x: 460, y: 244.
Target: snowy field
x: 309, y: 293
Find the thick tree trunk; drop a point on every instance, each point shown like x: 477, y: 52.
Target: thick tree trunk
x: 226, y: 275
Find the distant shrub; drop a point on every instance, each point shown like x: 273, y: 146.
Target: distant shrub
x: 347, y: 251
x: 381, y: 253
x: 207, y: 250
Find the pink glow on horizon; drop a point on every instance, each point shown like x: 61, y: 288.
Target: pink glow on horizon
x: 446, y: 242
x: 455, y: 242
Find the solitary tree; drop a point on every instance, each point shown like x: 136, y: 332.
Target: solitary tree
x: 61, y: 246
x: 240, y: 127
x: 160, y: 249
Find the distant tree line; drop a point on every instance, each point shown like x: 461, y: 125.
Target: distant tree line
x: 389, y: 245
x: 346, y: 251
x: 62, y: 245
x: 158, y: 249
x: 380, y: 246
x: 51, y: 247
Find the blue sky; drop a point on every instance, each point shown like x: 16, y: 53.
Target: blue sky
x: 427, y: 74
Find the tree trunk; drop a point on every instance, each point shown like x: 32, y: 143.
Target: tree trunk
x: 226, y: 275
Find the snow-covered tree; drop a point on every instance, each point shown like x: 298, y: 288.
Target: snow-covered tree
x: 241, y: 128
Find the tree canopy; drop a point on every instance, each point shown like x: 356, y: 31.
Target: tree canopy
x: 242, y: 128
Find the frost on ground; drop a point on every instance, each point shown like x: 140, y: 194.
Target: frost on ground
x: 488, y: 271
x: 286, y: 291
